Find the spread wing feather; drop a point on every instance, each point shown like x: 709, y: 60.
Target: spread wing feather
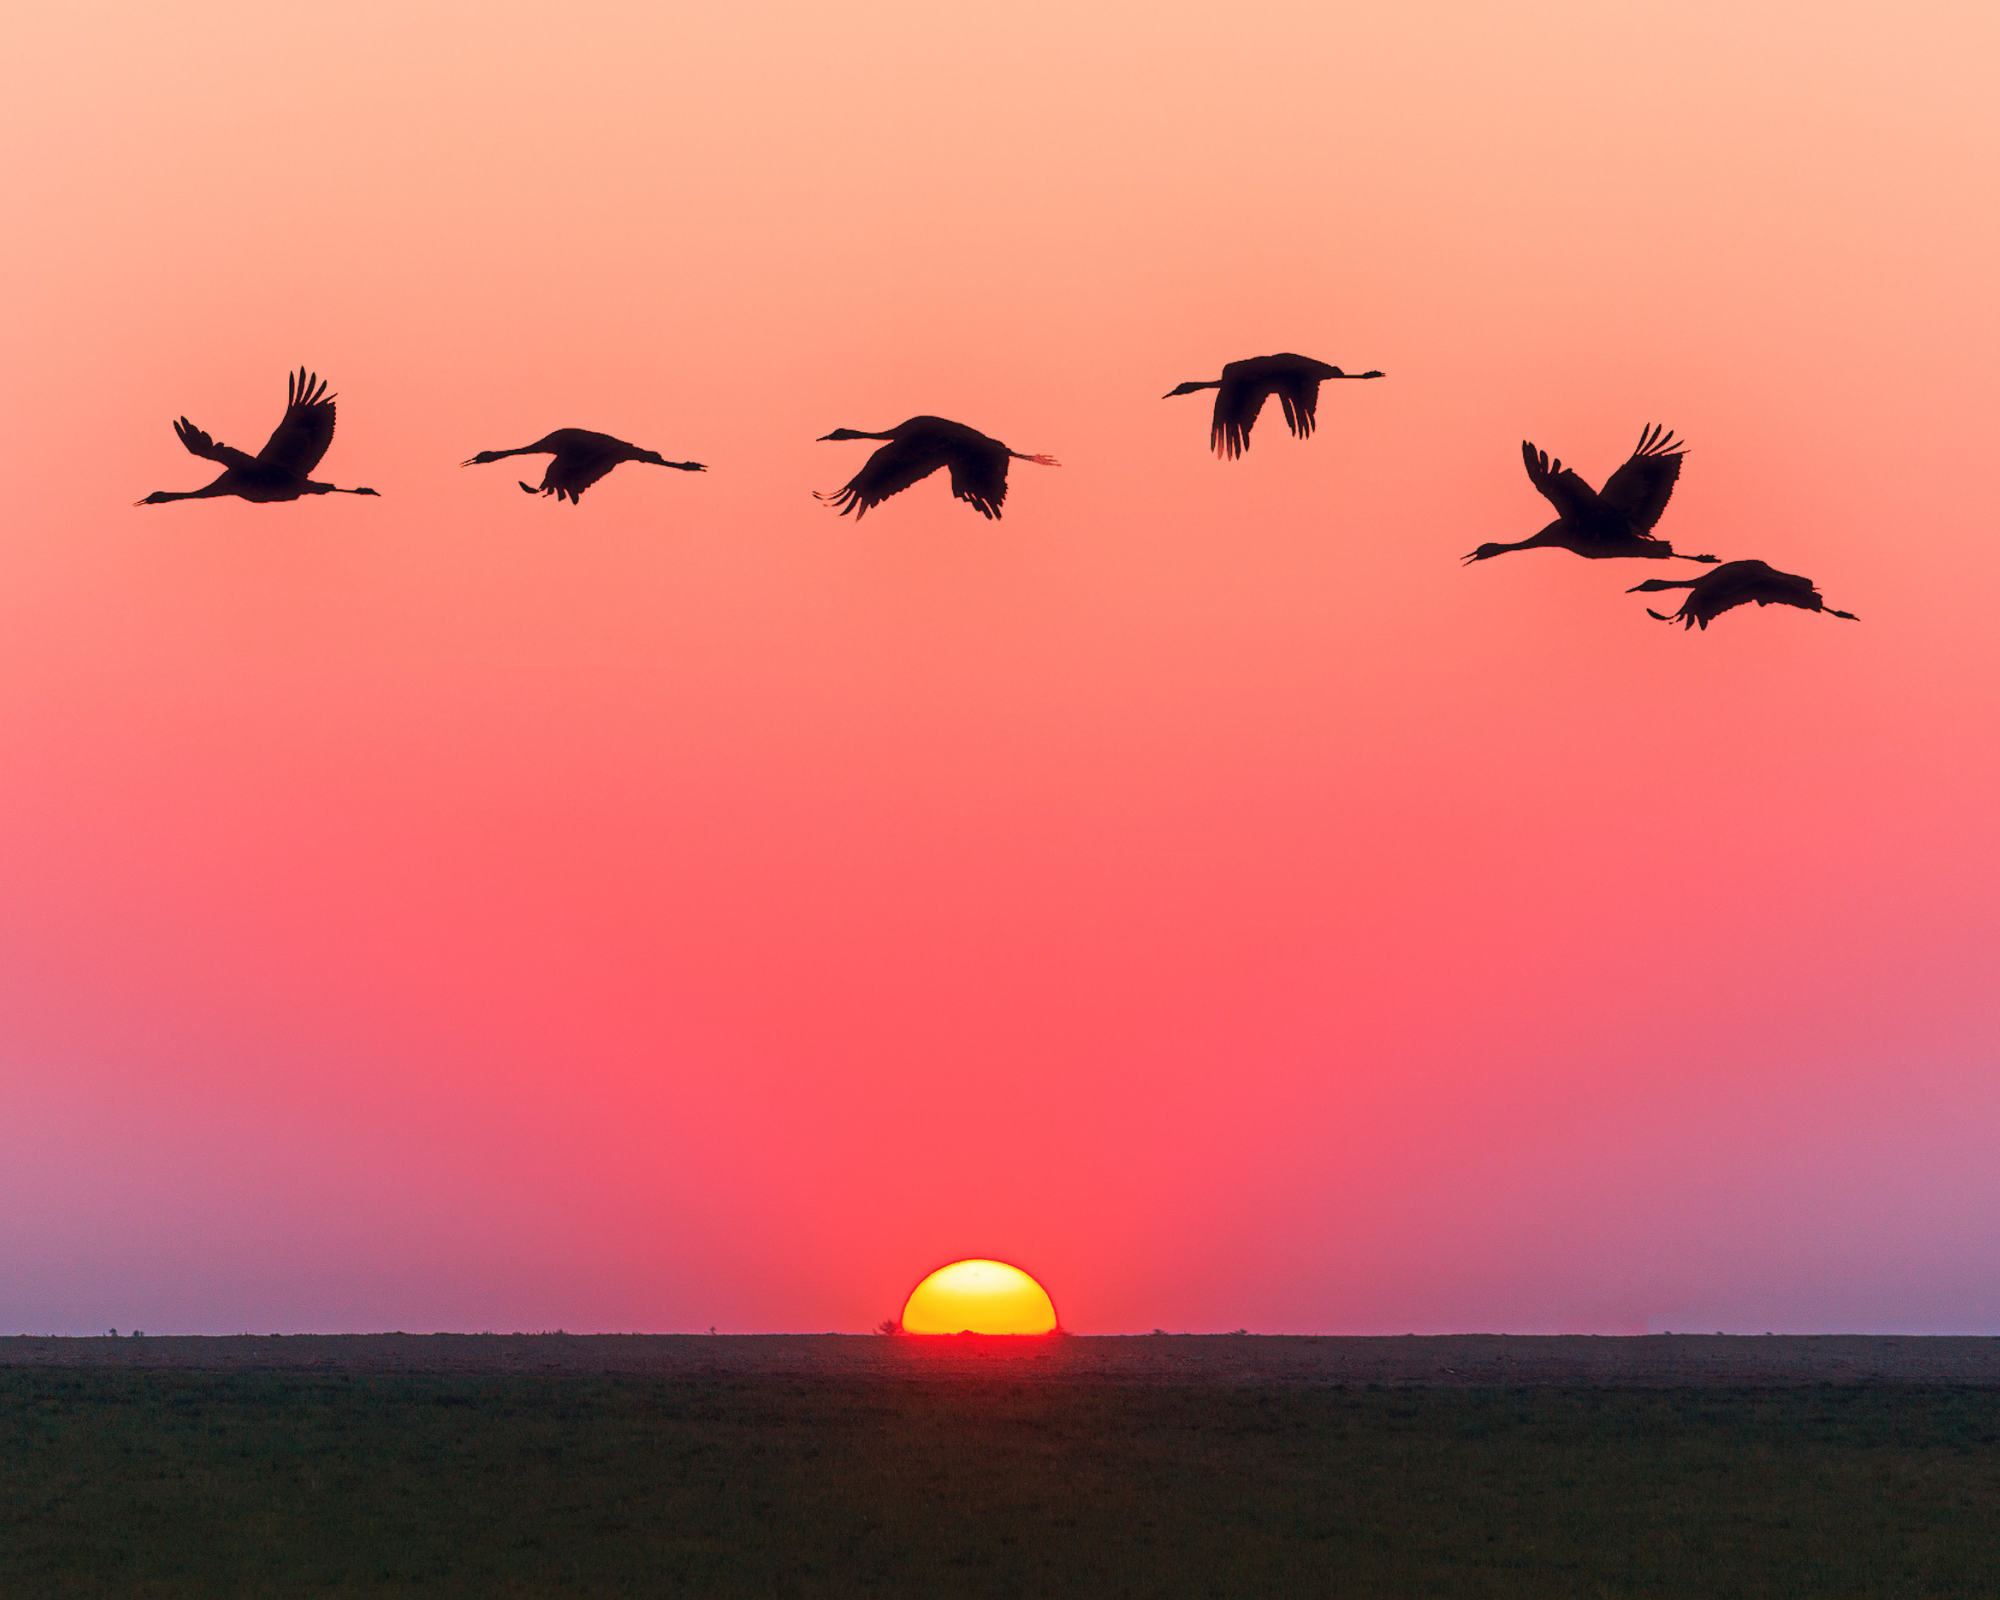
x: 1237, y: 403
x: 890, y: 470
x: 200, y: 444
x: 979, y: 477
x: 1575, y: 501
x: 574, y: 471
x: 1300, y: 393
x: 300, y: 440
x: 1642, y: 487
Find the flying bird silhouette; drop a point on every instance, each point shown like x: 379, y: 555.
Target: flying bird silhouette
x: 581, y: 458
x: 1244, y: 387
x: 278, y: 471
x: 1617, y: 522
x: 1737, y: 583
x: 915, y: 450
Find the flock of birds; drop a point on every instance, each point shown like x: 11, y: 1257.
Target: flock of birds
x: 1616, y: 521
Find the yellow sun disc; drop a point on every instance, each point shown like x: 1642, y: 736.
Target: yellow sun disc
x: 979, y: 1297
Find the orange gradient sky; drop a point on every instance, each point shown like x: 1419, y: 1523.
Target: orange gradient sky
x: 692, y: 908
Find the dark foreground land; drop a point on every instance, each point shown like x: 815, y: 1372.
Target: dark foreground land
x: 190, y: 1468
x: 1465, y: 1360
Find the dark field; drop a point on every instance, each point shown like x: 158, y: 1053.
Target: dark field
x: 129, y: 1481
x: 1463, y: 1360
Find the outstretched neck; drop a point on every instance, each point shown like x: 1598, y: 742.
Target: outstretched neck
x: 1551, y: 535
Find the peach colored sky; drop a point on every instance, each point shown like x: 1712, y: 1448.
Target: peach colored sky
x: 691, y: 908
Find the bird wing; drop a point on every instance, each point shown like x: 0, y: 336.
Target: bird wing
x: 1300, y: 393
x: 1642, y: 487
x: 979, y: 477
x: 890, y: 470
x: 1774, y: 588
x: 298, y: 442
x: 1573, y: 499
x: 1237, y: 403
x: 200, y: 444
x: 576, y: 469
x: 1724, y: 588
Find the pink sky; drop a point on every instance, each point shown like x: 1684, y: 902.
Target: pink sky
x: 692, y: 908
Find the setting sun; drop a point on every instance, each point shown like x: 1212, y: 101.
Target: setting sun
x: 979, y: 1297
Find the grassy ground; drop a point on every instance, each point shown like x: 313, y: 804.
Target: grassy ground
x: 192, y: 1484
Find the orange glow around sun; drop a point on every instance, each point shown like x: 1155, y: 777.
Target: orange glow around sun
x: 979, y: 1297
